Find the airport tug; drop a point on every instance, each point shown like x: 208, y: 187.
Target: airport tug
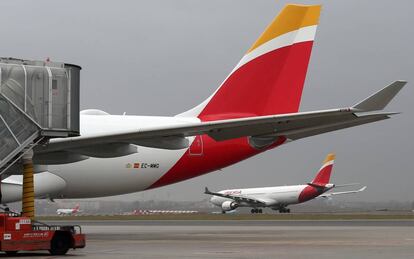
x: 22, y: 233
x: 39, y: 101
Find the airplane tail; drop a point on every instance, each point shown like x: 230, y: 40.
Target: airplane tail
x: 76, y: 209
x: 324, y: 174
x: 269, y: 78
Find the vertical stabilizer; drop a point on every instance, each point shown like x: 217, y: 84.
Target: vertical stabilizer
x: 269, y: 78
x: 324, y: 173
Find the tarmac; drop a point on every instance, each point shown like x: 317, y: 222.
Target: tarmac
x: 244, y: 239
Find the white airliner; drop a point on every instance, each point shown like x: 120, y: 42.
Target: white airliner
x: 254, y: 110
x: 151, y: 212
x: 68, y: 212
x: 279, y: 197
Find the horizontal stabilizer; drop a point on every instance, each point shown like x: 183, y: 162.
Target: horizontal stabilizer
x: 362, y: 189
x: 317, y: 186
x: 380, y: 99
x: 346, y: 185
x: 328, y: 195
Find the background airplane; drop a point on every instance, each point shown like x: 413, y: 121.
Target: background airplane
x: 151, y: 212
x: 68, y: 212
x: 278, y: 198
x: 254, y: 110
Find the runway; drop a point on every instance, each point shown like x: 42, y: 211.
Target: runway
x: 246, y: 239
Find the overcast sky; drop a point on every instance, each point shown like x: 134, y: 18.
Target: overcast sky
x: 164, y: 57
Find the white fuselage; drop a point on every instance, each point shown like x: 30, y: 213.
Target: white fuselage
x: 96, y: 177
x: 66, y: 211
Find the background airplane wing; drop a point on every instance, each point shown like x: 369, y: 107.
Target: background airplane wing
x: 328, y: 195
x: 291, y: 126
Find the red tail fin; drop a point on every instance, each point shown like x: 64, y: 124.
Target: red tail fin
x: 324, y: 173
x: 269, y: 79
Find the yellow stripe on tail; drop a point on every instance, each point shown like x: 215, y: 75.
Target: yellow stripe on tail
x: 291, y: 18
x: 329, y: 158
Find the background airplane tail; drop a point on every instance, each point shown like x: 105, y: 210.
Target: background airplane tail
x: 324, y: 174
x: 269, y: 78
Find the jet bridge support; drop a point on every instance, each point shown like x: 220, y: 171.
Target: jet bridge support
x: 28, y: 208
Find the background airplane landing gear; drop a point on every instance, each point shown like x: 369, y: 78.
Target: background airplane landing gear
x: 256, y: 211
x: 284, y: 210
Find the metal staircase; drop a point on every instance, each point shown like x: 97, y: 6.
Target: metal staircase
x: 18, y: 132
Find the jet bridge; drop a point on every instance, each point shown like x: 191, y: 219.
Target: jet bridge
x: 39, y: 100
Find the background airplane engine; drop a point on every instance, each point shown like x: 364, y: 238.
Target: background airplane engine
x: 229, y: 205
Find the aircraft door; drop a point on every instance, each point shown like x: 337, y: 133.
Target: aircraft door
x: 60, y: 99
x: 37, y: 101
x: 196, y: 148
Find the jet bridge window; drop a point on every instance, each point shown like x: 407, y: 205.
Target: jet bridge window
x: 54, y: 84
x: 13, y: 83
